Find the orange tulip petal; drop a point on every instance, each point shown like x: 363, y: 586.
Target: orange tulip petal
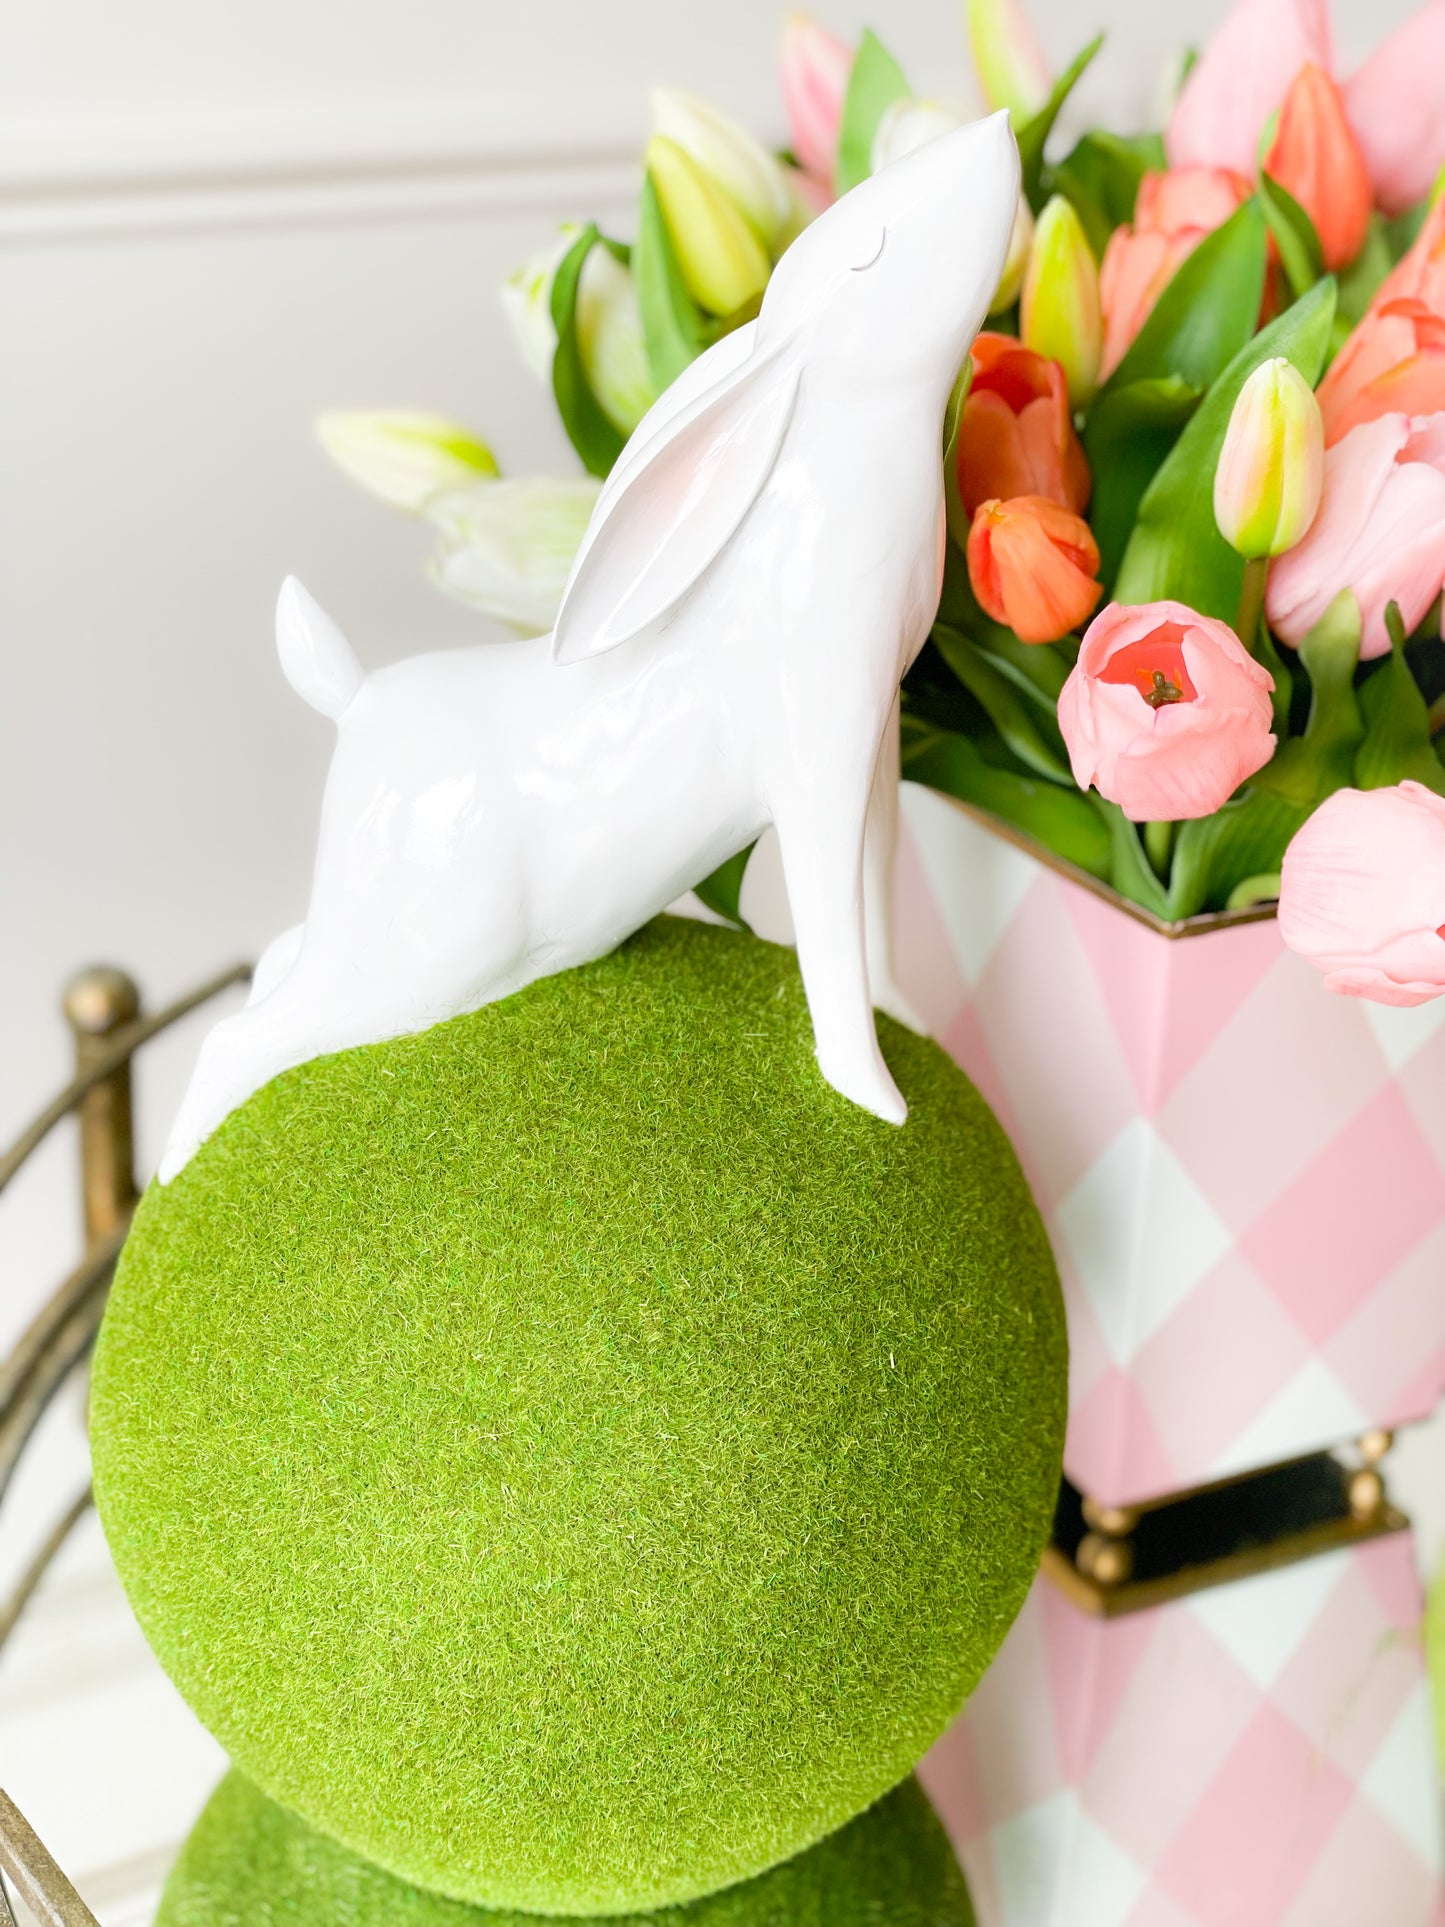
x: 1316, y: 157
x: 1031, y: 565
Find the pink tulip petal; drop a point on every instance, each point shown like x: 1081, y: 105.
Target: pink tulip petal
x: 1242, y: 78
x: 1363, y: 893
x: 1394, y: 107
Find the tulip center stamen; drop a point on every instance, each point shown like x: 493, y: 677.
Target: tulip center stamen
x: 1162, y: 691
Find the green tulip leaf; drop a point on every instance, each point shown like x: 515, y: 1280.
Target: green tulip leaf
x: 1101, y: 178
x: 953, y: 509
x: 1294, y: 234
x: 1059, y: 819
x: 673, y: 327
x: 1213, y: 855
x: 1361, y: 279
x: 1397, y: 745
x: 1130, y: 871
x: 1024, y: 719
x: 592, y: 433
x: 874, y: 83
x: 1034, y: 133
x: 722, y: 891
x: 1270, y: 658
x: 1040, y: 669
x: 1204, y: 317
x: 1207, y: 312
x: 1308, y: 768
x: 1176, y: 550
x: 1129, y: 434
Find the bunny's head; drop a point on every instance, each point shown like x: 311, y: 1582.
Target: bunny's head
x: 894, y: 280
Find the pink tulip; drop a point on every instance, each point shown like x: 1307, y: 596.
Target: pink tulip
x: 1394, y: 362
x: 815, y: 70
x: 1173, y: 214
x: 1242, y: 78
x: 1362, y: 893
x: 1380, y: 532
x: 1165, y: 712
x: 1394, y: 107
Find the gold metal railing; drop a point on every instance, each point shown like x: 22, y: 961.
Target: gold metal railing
x: 103, y: 1009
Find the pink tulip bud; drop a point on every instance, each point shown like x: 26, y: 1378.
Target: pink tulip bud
x: 815, y: 68
x: 1394, y: 107
x: 1165, y: 712
x: 1272, y: 465
x: 1242, y: 78
x: 1007, y: 57
x: 1362, y: 894
x: 1380, y: 532
x: 1173, y: 213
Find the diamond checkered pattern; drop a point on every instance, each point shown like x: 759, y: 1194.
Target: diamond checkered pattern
x: 1243, y: 1176
x: 1256, y: 1756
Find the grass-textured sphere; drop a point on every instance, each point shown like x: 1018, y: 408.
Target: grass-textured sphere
x: 250, y: 1863
x: 573, y: 1457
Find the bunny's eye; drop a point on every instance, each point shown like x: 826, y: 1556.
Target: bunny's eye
x: 876, y: 256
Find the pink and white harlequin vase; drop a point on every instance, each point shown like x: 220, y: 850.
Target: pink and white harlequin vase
x: 1244, y: 1181
x: 1243, y: 1176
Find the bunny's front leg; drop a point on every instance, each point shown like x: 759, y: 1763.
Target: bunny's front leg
x: 821, y: 825
x: 879, y: 847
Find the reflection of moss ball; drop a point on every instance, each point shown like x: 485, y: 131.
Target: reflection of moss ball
x: 573, y: 1457
x: 249, y: 1863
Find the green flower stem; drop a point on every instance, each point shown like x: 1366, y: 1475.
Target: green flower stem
x: 1159, y: 847
x: 1436, y: 717
x: 1251, y: 602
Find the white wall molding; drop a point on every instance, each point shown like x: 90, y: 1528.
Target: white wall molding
x: 62, y: 182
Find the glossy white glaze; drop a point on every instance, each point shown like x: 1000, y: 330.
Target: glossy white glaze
x: 761, y: 568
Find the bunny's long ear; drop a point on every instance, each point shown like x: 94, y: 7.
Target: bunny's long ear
x: 683, y: 498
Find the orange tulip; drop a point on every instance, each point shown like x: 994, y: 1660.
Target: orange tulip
x: 1016, y: 434
x: 1317, y: 158
x: 1032, y: 566
x: 1173, y: 214
x: 1394, y: 362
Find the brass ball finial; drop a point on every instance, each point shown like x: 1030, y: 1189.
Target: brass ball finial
x: 100, y: 999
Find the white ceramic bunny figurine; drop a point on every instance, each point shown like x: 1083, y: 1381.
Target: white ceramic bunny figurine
x: 761, y: 568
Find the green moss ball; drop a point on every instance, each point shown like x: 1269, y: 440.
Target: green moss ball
x: 573, y: 1457
x: 249, y: 1863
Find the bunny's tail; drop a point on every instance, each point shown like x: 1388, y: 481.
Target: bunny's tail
x: 316, y: 658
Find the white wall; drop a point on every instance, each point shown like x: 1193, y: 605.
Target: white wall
x: 216, y: 221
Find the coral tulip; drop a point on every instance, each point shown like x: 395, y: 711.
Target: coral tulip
x: 1394, y: 107
x: 1016, y: 435
x: 1316, y: 157
x: 1165, y: 712
x: 1394, y: 362
x: 815, y: 67
x: 1271, y: 468
x: 1242, y: 78
x: 1172, y: 215
x: 1362, y: 893
x: 404, y: 459
x: 721, y: 258
x: 1031, y: 564
x: 1059, y: 314
x: 1007, y: 58
x: 1380, y: 532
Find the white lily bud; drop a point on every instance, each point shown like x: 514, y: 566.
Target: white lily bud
x: 907, y: 125
x: 403, y: 458
x: 745, y: 171
x: 609, y: 326
x: 506, y: 546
